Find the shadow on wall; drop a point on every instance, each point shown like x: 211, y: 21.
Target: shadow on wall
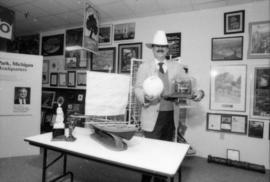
x: 196, y: 115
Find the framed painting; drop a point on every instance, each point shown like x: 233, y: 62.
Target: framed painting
x: 54, y: 79
x: 74, y: 37
x: 105, y: 35
x: 124, y: 31
x: 104, y: 60
x: 228, y: 88
x: 227, y: 48
x: 125, y: 53
x: 71, y: 78
x: 81, y: 78
x: 255, y: 129
x: 52, y: 45
x: 45, y: 72
x: 259, y: 40
x: 62, y: 79
x: 234, y: 22
x: 47, y: 99
x: 260, y: 92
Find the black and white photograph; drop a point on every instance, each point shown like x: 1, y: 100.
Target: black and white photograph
x: 234, y: 22
x: 227, y: 48
x: 124, y: 31
x: 135, y: 90
x: 22, y: 95
x: 259, y: 40
x: 52, y: 45
x: 255, y: 129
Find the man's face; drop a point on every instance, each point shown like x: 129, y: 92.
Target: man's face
x: 160, y: 51
x: 23, y: 93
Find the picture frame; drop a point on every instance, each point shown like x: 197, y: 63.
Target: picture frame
x: 234, y: 22
x: 77, y: 59
x: 233, y: 154
x: 125, y: 53
x: 175, y: 48
x: 74, y: 37
x: 45, y: 71
x: 62, y: 79
x: 105, y: 34
x: 81, y: 78
x: 227, y: 48
x: 52, y: 45
x: 124, y: 31
x: 105, y: 60
x: 259, y: 36
x: 47, y: 99
x: 229, y: 123
x: 255, y: 129
x: 71, y: 78
x: 228, y: 88
x: 260, y: 95
x: 54, y: 79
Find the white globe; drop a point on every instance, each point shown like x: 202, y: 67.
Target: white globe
x: 153, y: 86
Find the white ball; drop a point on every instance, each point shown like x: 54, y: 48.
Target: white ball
x: 153, y: 86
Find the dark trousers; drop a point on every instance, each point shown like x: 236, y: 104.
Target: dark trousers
x: 163, y: 130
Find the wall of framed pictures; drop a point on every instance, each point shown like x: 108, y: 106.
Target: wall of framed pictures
x: 213, y: 38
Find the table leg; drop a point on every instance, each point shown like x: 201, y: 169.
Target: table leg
x: 179, y: 175
x: 44, y: 166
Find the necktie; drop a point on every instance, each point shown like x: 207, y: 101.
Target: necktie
x: 161, y: 70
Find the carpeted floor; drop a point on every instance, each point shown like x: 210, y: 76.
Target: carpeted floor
x: 194, y: 169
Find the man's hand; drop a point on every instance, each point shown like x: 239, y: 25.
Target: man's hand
x: 151, y: 100
x: 198, y: 95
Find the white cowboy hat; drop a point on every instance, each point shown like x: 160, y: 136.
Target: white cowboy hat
x: 159, y: 39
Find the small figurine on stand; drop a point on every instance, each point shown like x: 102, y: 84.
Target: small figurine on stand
x: 58, y: 131
x: 71, y: 126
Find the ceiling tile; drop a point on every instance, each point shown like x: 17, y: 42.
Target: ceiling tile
x: 32, y: 11
x: 50, y: 6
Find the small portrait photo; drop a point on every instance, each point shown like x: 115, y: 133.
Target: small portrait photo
x: 22, y: 95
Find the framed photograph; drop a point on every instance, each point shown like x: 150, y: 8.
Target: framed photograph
x: 77, y: 59
x: 54, y: 79
x: 260, y: 92
x: 234, y: 22
x: 125, y: 53
x: 124, y: 31
x: 228, y: 88
x: 62, y: 79
x: 233, y: 154
x: 255, y: 129
x: 259, y: 40
x: 105, y: 35
x: 104, y: 60
x: 81, y: 79
x: 231, y: 123
x: 52, y: 45
x: 175, y: 48
x: 227, y: 48
x: 71, y: 78
x: 45, y: 72
x: 47, y: 99
x: 74, y: 37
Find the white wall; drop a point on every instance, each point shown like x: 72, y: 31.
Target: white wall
x: 197, y: 28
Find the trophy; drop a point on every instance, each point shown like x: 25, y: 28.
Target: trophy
x: 71, y: 126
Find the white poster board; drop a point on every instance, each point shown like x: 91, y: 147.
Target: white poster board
x: 20, y: 75
x: 106, y: 93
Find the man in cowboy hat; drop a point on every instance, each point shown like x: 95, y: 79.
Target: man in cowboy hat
x: 157, y: 115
